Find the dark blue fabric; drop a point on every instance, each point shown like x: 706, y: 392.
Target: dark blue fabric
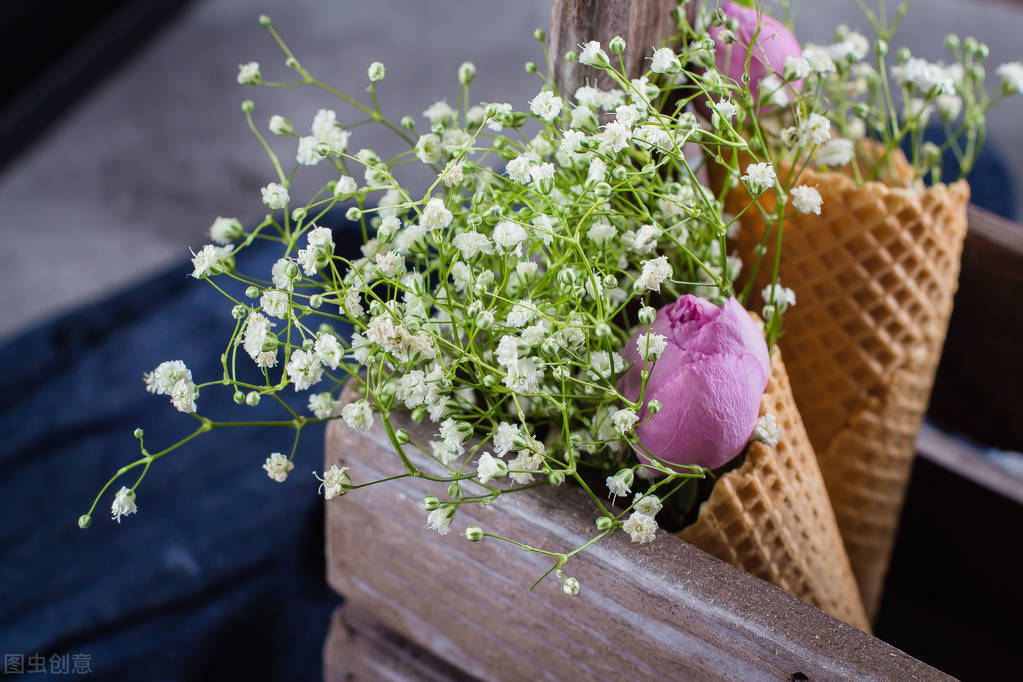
x: 220, y: 575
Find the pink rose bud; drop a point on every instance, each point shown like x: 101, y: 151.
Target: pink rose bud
x: 774, y: 43
x: 709, y: 380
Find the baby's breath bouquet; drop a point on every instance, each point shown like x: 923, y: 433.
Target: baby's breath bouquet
x: 559, y: 304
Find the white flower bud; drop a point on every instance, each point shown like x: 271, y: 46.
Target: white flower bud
x: 466, y: 73
x: 376, y: 72
x: 431, y: 502
x: 473, y: 533
x: 570, y: 586
x: 604, y: 523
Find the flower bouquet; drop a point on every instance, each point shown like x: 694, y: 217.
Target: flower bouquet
x: 557, y: 308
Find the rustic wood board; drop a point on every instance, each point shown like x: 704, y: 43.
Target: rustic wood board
x: 979, y: 388
x: 643, y: 25
x: 660, y: 611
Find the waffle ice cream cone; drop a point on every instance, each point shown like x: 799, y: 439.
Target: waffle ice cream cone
x: 771, y: 516
x: 874, y: 276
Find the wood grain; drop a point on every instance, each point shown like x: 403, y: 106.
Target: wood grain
x: 642, y: 23
x: 660, y: 611
x: 979, y: 388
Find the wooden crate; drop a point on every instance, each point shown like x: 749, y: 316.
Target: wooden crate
x: 421, y: 606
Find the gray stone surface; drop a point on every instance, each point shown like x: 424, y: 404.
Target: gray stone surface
x: 135, y: 173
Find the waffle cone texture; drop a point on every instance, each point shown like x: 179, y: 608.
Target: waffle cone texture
x: 771, y: 516
x: 875, y: 275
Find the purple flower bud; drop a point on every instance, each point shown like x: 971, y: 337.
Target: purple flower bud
x: 709, y: 381
x: 773, y: 44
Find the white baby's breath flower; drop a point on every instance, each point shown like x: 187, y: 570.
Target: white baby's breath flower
x: 836, y: 152
x: 597, y: 171
x: 226, y: 230
x: 412, y: 388
x: 505, y: 437
x: 435, y: 215
x: 1011, y: 74
x: 389, y: 263
x: 439, y: 113
x: 924, y: 76
x: 796, y: 68
x: 335, y: 482
x: 275, y: 196
x: 376, y: 73
x: 345, y: 186
x: 818, y: 59
x: 665, y: 61
x: 277, y: 467
x: 440, y: 519
x: 328, y: 350
x: 653, y: 274
x: 518, y: 169
x: 123, y: 504
x: 489, y: 467
x: 509, y: 236
x: 546, y: 105
x: 723, y: 110
x: 304, y: 369
x: 651, y: 345
x: 452, y: 173
x: 816, y: 129
x: 601, y: 232
x: 275, y: 303
x: 521, y: 314
x: 541, y: 172
x: 780, y: 296
x: 647, y: 504
x: 358, y: 415
x: 307, y: 154
x: 614, y: 138
x: 206, y: 261
x: 257, y: 333
x: 472, y: 244
x: 592, y: 55
x: 760, y: 175
x: 162, y: 379
x: 429, y: 148
x: 280, y: 126
x: 767, y: 431
x: 323, y: 405
x: 624, y: 420
x: 949, y: 106
x: 183, y: 395
x: 806, y: 199
x: 620, y: 484
x: 248, y: 74
x: 640, y: 527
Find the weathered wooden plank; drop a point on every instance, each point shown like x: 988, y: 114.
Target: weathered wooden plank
x: 660, y: 611
x: 360, y: 649
x: 643, y: 24
x: 979, y: 387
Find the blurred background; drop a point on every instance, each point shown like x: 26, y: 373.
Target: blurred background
x: 121, y: 139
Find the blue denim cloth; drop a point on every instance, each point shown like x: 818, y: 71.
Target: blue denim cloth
x: 220, y: 574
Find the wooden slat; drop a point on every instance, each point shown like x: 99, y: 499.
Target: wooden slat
x: 979, y: 389
x: 642, y: 23
x: 360, y: 649
x: 660, y: 611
